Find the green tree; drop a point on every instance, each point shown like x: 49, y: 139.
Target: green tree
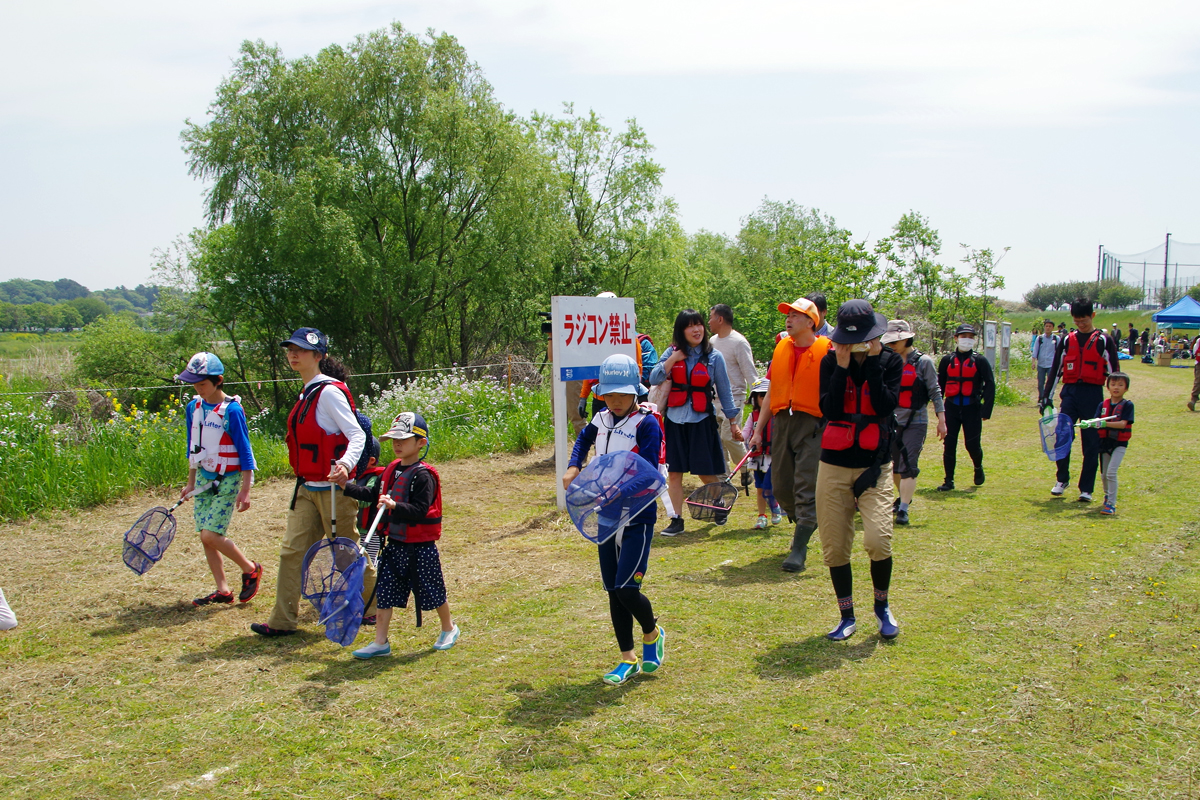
x: 378, y: 192
x: 1194, y: 292
x: 983, y: 275
x: 912, y: 250
x: 41, y: 316
x: 114, y: 351
x: 12, y: 317
x: 69, y: 317
x: 1119, y: 295
x: 90, y: 308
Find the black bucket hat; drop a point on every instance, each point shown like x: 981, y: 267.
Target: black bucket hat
x: 857, y: 322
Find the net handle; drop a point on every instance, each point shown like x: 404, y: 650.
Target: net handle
x: 333, y: 501
x: 334, y: 613
x: 190, y: 495
x: 729, y: 477
x: 371, y: 535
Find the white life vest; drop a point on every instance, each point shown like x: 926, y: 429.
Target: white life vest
x: 613, y: 436
x: 212, y: 446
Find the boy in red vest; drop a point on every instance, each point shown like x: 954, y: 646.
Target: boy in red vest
x: 1114, y: 435
x: 968, y: 391
x: 411, y: 490
x: 1083, y: 359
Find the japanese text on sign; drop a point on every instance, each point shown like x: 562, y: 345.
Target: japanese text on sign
x: 597, y: 329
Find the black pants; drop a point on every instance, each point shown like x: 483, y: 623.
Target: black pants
x: 623, y: 606
x: 1081, y: 401
x: 967, y: 419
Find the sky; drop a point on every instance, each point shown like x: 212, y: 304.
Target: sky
x: 1048, y: 128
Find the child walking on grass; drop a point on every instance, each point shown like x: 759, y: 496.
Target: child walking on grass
x: 411, y: 490
x: 219, y: 455
x: 760, y: 462
x: 1114, y: 435
x: 623, y: 425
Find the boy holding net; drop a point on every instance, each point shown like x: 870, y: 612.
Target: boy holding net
x: 624, y: 425
x: 760, y: 462
x: 1114, y: 421
x: 219, y: 454
x: 411, y: 490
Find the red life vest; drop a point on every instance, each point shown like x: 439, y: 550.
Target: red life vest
x: 366, y: 513
x: 1120, y: 435
x: 960, y: 376
x: 695, y: 387
x: 1084, y: 364
x: 399, y: 486
x: 913, y: 391
x: 863, y: 426
x: 310, y: 448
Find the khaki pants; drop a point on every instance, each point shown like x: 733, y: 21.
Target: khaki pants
x: 835, y: 514
x: 307, y: 524
x: 734, y: 451
x: 795, y: 454
x: 1196, y: 382
x: 576, y: 422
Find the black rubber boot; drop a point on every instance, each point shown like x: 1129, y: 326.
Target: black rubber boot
x: 795, y: 561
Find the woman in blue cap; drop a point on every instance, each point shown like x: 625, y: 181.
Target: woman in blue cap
x: 219, y: 455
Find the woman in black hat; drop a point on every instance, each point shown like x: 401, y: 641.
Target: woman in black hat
x: 860, y: 386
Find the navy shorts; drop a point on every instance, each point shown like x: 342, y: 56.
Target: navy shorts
x: 695, y: 447
x: 408, y: 567
x: 624, y: 565
x: 762, y: 480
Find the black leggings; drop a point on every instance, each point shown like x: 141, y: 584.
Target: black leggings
x: 968, y: 419
x: 624, y: 605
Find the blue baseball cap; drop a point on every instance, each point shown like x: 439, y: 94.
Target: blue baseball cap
x: 200, y: 367
x: 309, y: 339
x: 619, y: 374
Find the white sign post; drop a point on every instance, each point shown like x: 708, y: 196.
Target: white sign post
x: 586, y: 330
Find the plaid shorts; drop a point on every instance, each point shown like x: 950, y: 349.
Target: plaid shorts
x: 214, y: 506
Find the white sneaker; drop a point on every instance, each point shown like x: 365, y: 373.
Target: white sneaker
x: 776, y: 516
x: 761, y: 523
x: 1058, y: 489
x: 446, y: 639
x: 1085, y: 497
x: 372, y: 650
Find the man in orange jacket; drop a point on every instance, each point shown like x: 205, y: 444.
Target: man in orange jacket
x: 794, y: 402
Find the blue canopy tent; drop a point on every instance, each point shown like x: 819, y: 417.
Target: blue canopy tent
x: 1183, y: 313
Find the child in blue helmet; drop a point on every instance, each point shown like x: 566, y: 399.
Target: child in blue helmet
x: 624, y: 425
x: 219, y: 455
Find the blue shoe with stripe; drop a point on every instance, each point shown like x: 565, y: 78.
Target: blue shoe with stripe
x: 654, y: 652
x: 621, y: 673
x: 888, y: 627
x: 844, y: 630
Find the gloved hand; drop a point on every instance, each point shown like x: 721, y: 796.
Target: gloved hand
x: 1048, y: 411
x: 583, y: 408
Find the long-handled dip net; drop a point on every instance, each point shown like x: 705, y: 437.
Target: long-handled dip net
x: 712, y: 501
x: 1058, y: 432
x: 148, y: 539
x: 332, y: 580
x: 610, y: 491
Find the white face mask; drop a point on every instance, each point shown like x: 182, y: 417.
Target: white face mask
x: 965, y: 344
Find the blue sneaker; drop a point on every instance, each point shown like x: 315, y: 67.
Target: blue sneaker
x: 844, y: 630
x: 888, y: 627
x: 621, y: 673
x: 654, y: 652
x: 446, y: 639
x: 372, y: 650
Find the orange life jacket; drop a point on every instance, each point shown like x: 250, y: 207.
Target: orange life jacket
x: 1121, y: 435
x: 1084, y: 364
x: 960, y: 376
x: 863, y: 426
x: 695, y: 387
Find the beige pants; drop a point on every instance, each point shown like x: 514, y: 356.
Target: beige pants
x: 835, y: 513
x: 307, y: 524
x: 734, y: 451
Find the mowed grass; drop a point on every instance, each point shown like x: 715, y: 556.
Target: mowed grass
x: 1046, y: 651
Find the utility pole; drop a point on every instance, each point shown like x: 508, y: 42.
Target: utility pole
x: 1099, y: 258
x: 1166, y: 275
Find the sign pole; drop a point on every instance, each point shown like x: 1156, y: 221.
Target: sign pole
x: 559, y: 404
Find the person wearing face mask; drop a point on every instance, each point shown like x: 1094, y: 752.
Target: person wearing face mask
x: 969, y: 391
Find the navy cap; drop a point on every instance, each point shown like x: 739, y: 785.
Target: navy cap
x: 857, y: 322
x: 964, y: 330
x: 309, y: 339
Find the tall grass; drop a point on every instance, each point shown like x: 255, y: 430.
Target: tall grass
x: 53, y: 456
x: 467, y: 417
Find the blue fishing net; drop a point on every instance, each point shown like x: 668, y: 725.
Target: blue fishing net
x: 332, y: 580
x: 148, y: 539
x: 610, y: 491
x: 1058, y: 432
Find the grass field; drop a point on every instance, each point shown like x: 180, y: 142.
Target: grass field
x: 1046, y: 651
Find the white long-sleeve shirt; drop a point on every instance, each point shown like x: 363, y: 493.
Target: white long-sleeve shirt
x: 739, y: 363
x: 334, y: 416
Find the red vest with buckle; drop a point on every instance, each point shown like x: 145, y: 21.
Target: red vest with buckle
x: 913, y: 391
x: 960, y: 376
x: 695, y: 387
x: 1084, y: 364
x: 863, y: 426
x: 399, y: 487
x: 1121, y: 435
x: 310, y: 448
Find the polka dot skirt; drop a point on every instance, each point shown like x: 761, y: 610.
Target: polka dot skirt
x: 403, y: 566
